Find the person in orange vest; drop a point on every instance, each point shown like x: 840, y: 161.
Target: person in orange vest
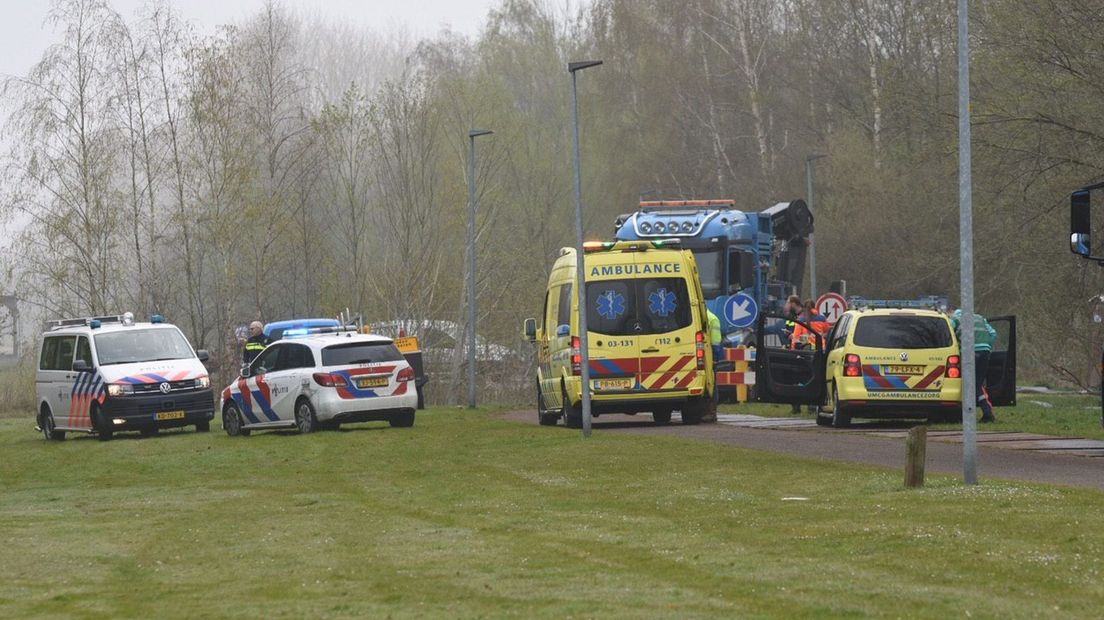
x: 803, y: 337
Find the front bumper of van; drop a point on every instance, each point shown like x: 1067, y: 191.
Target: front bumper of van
x: 136, y: 412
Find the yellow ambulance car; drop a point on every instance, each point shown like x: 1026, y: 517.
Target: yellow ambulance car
x: 647, y: 333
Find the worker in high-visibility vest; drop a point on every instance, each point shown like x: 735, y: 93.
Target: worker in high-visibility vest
x: 715, y: 335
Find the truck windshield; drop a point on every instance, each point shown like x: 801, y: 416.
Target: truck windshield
x: 360, y: 353
x: 902, y: 332
x: 637, y: 307
x: 710, y: 272
x: 142, y: 345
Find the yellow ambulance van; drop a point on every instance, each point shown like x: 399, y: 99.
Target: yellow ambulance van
x: 647, y: 333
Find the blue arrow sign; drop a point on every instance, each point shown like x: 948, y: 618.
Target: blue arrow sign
x: 741, y: 310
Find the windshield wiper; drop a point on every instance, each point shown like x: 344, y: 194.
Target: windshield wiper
x: 119, y: 362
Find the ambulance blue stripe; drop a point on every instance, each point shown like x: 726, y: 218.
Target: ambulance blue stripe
x: 266, y: 407
x: 610, y: 367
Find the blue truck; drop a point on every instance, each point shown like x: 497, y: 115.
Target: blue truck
x: 749, y: 262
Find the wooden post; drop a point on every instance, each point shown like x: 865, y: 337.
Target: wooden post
x: 915, y: 452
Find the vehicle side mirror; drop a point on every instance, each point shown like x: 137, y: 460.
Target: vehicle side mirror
x: 530, y: 330
x: 1081, y: 223
x: 203, y: 355
x: 81, y: 366
x: 245, y: 371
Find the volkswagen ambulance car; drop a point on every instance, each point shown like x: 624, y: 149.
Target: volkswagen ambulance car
x: 321, y: 379
x: 647, y: 333
x: 106, y: 374
x: 884, y: 362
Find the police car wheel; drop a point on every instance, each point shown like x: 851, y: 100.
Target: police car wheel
x: 662, y: 417
x: 305, y: 419
x: 103, y: 429
x: 402, y: 420
x: 46, y: 423
x: 232, y: 421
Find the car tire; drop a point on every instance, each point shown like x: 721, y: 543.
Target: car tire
x: 203, y: 427
x: 572, y: 414
x: 662, y: 417
x: 840, y: 417
x: 543, y: 416
x: 103, y: 429
x: 49, y: 429
x: 305, y: 419
x: 402, y: 420
x: 232, y: 421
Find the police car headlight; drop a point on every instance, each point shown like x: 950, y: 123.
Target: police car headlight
x: 203, y: 383
x: 119, y: 389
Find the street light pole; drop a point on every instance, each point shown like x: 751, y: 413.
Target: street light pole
x: 580, y: 274
x: 809, y: 159
x: 472, y: 135
x: 966, y: 251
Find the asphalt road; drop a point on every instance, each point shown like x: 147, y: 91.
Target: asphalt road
x: 858, y: 447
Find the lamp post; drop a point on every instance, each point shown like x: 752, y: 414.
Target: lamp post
x: 966, y: 251
x: 472, y: 135
x: 573, y: 68
x: 809, y: 159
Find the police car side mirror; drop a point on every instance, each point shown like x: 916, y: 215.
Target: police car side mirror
x: 81, y: 366
x: 244, y: 371
x: 530, y: 330
x: 203, y: 355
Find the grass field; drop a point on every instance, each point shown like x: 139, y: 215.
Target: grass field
x: 466, y: 515
x: 1068, y: 415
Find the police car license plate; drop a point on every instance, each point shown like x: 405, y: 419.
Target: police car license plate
x: 614, y: 384
x: 371, y: 382
x: 904, y: 370
x: 170, y: 415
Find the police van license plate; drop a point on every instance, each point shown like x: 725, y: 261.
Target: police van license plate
x: 170, y: 415
x: 371, y: 382
x: 614, y: 384
x: 904, y: 370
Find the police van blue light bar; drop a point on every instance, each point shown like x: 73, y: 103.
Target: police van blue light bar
x: 156, y: 318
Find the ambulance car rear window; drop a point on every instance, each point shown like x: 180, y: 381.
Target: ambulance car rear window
x: 360, y: 353
x: 638, y: 306
x: 902, y: 332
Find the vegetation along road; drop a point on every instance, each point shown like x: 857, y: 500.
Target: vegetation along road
x: 469, y: 515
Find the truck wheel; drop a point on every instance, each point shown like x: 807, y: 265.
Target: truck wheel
x: 572, y: 414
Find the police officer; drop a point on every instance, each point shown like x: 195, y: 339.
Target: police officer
x: 256, y: 342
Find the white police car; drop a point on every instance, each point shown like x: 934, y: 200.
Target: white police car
x: 105, y: 374
x: 323, y: 379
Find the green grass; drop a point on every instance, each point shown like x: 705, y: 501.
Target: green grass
x: 1046, y: 414
x: 466, y: 515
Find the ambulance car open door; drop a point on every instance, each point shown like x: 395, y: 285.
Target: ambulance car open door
x: 785, y: 375
x: 1000, y: 379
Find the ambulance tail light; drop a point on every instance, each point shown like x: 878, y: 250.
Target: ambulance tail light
x: 406, y: 374
x: 954, y: 367
x: 329, y: 379
x: 576, y: 356
x: 699, y: 339
x: 852, y: 365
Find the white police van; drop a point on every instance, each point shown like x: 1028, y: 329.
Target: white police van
x: 321, y: 379
x: 105, y: 374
